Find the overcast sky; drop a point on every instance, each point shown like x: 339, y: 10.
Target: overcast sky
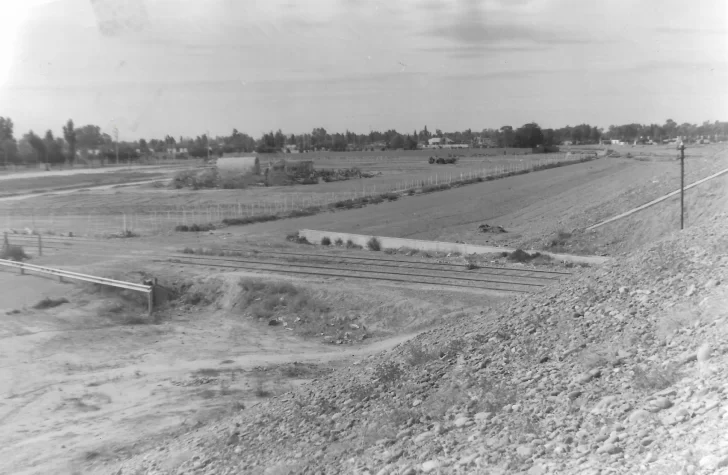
x: 182, y: 67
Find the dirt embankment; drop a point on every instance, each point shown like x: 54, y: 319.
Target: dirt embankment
x: 617, y: 370
x: 88, y: 379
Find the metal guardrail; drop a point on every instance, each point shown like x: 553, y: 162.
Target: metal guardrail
x: 61, y: 274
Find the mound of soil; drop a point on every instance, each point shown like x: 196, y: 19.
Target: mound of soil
x: 486, y: 228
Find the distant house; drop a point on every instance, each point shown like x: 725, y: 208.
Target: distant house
x: 439, y: 141
x: 485, y: 142
x: 174, y: 151
x: 444, y: 142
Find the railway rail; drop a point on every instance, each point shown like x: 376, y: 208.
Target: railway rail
x: 404, y: 270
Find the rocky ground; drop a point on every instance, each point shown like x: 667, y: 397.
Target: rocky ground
x: 620, y: 369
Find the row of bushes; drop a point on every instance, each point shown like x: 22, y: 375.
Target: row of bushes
x: 194, y: 227
x: 212, y: 178
x: 373, y: 244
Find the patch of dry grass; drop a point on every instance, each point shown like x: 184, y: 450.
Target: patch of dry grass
x: 655, y: 378
x: 13, y: 252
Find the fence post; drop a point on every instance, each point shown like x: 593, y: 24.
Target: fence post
x: 40, y: 245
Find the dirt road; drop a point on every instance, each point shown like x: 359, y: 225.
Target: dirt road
x: 91, y: 381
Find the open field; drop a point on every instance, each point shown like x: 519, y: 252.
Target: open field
x: 47, y: 181
x: 530, y: 207
x: 152, y: 208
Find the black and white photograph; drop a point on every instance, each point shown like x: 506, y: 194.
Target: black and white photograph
x: 358, y: 237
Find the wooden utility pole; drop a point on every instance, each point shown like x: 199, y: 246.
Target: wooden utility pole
x: 682, y: 185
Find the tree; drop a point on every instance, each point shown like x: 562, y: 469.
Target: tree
x: 39, y: 147
x: 530, y: 135
x: 8, y: 146
x: 89, y: 137
x: 506, y: 137
x: 69, y: 133
x: 280, y: 140
x: 396, y: 142
x: 54, y: 150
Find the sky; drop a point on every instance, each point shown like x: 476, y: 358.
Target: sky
x: 185, y: 67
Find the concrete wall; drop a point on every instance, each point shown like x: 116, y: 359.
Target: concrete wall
x: 314, y: 237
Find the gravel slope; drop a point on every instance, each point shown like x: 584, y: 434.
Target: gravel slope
x: 618, y: 370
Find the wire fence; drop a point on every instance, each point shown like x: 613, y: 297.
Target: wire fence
x: 88, y: 222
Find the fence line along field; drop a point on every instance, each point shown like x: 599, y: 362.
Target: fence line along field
x: 155, y: 207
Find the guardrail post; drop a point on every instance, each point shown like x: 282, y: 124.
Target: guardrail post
x: 40, y: 245
x: 22, y: 269
x: 150, y: 300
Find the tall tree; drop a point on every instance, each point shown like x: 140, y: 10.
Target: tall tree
x: 39, y: 146
x: 530, y: 135
x: 88, y: 137
x: 69, y: 133
x: 8, y: 145
x: 54, y: 150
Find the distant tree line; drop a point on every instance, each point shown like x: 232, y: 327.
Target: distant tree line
x: 89, y: 142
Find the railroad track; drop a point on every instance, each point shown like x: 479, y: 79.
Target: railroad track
x: 399, y: 270
x: 505, y: 280
x: 406, y: 263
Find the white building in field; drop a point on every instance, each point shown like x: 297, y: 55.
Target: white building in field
x: 239, y: 164
x: 444, y: 142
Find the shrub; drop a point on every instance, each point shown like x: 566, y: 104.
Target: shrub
x: 13, y: 252
x: 127, y: 233
x: 325, y: 241
x: 418, y: 355
x: 390, y: 196
x: 339, y: 242
x: 560, y: 239
x: 49, y: 303
x: 350, y: 245
x: 374, y: 245
x: 249, y: 220
x: 237, y: 181
x: 299, y: 213
x: 194, y: 227
x: 295, y: 237
x: 520, y: 255
x: 388, y: 372
x: 655, y: 378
